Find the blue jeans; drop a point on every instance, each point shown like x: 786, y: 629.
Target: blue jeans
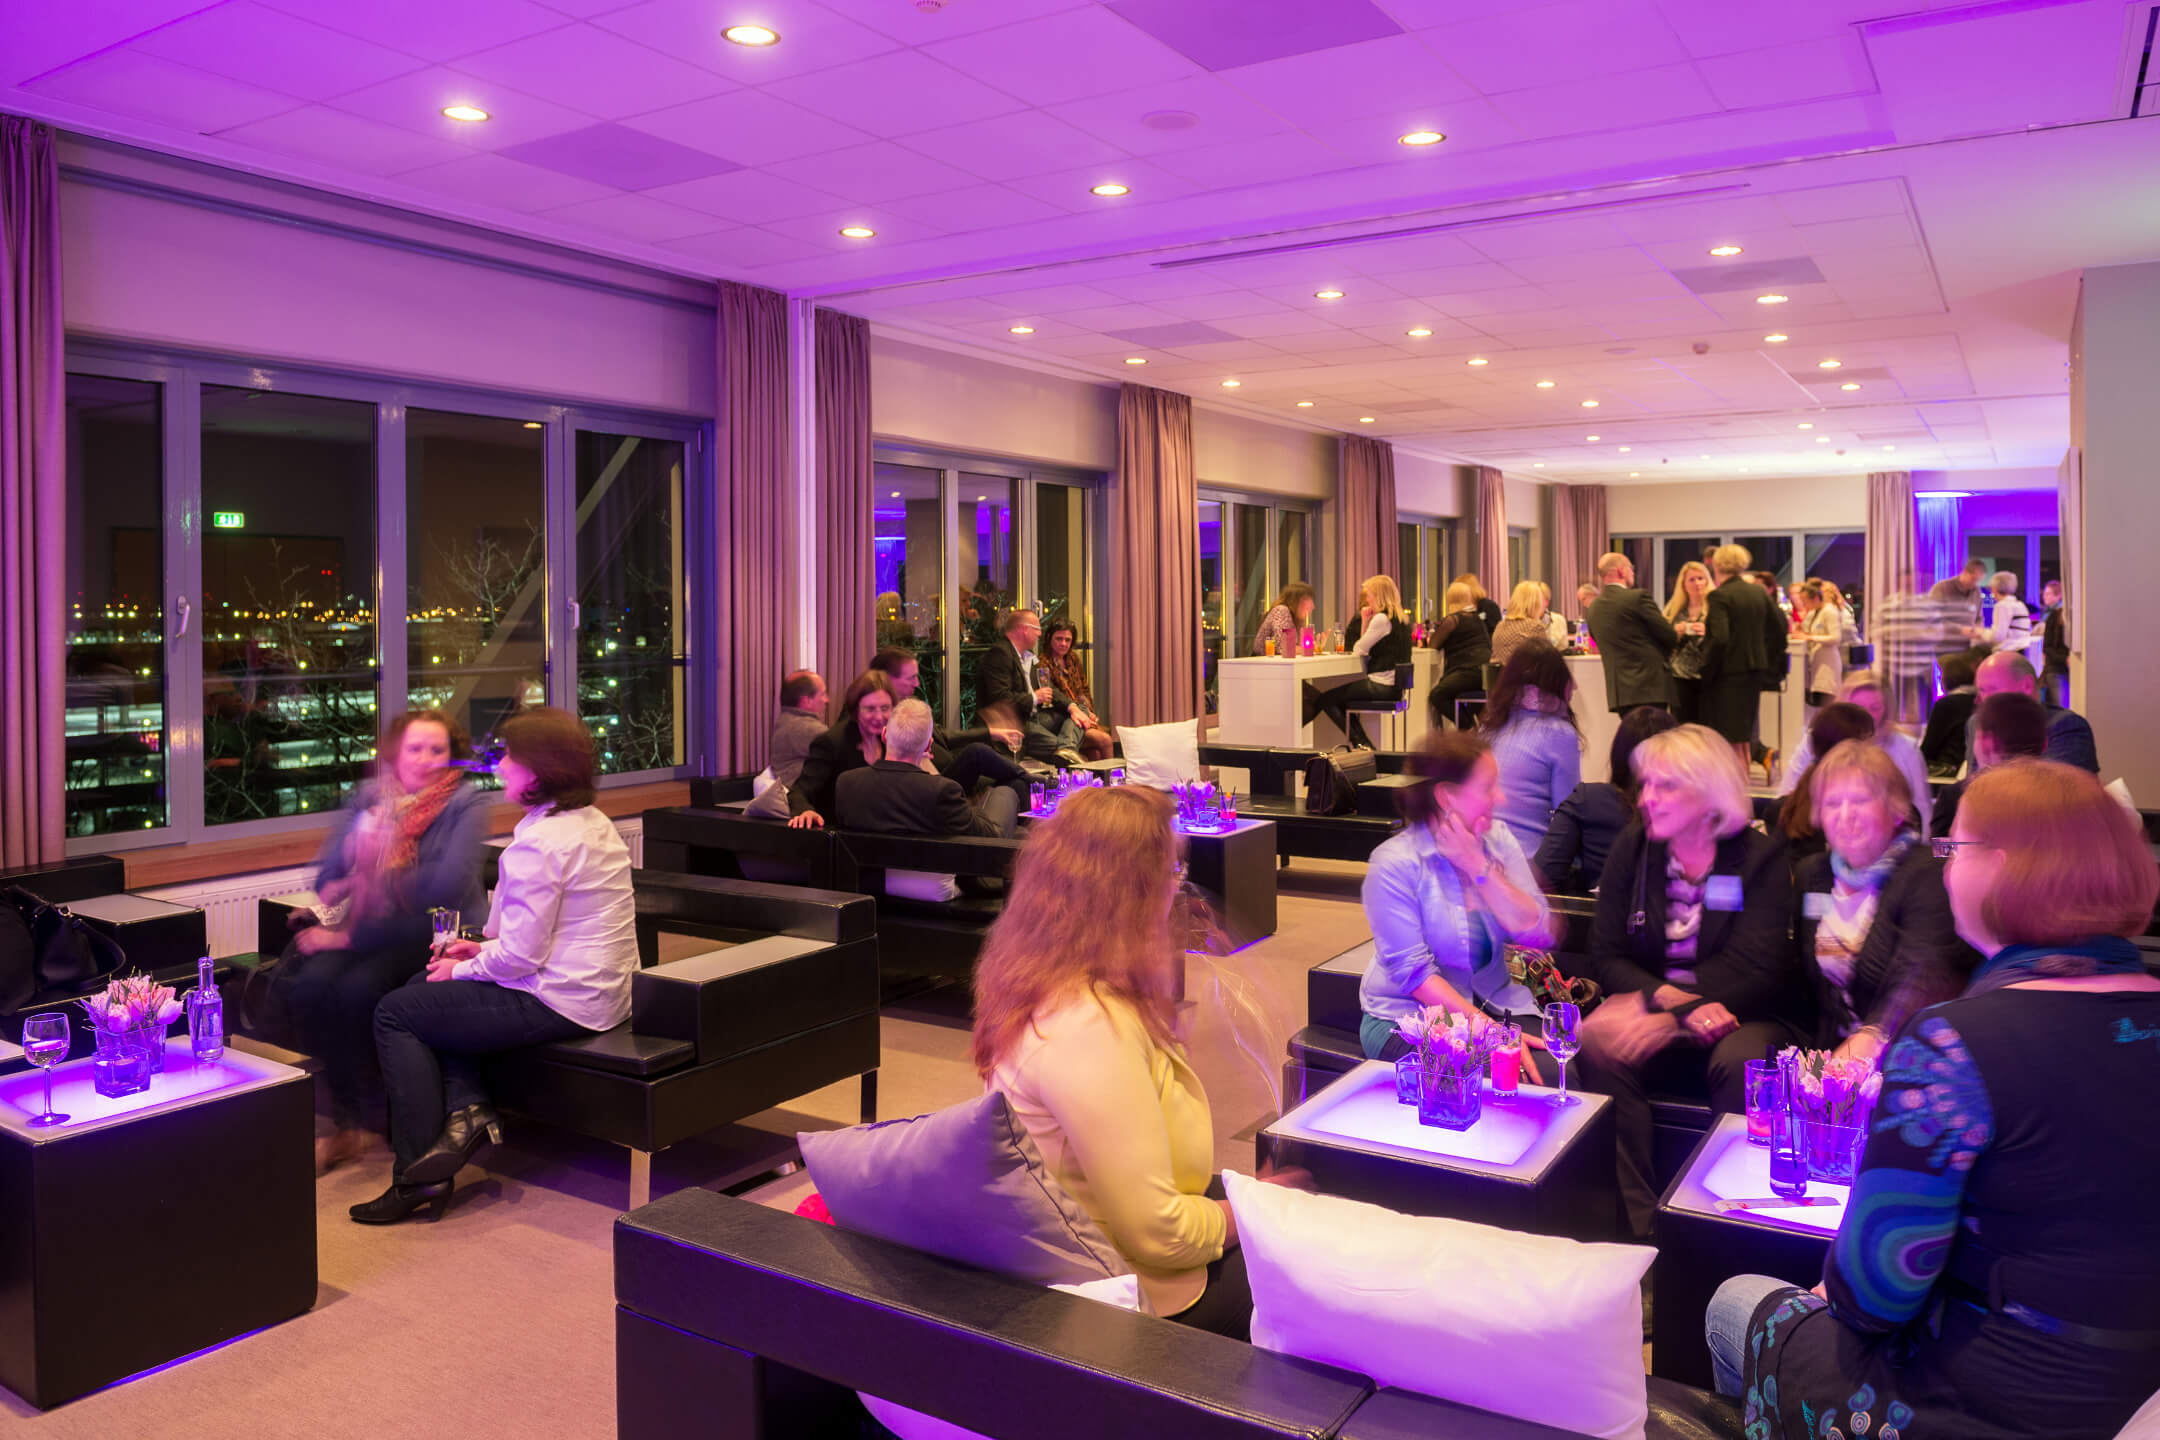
x: 1725, y: 1327
x: 330, y: 996
x: 431, y: 1036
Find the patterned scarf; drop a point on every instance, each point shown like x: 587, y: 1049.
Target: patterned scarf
x: 403, y: 851
x: 2103, y: 955
x: 375, y: 887
x: 1871, y: 877
x: 1683, y: 911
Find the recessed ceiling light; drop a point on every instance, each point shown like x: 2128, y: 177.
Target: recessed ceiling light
x: 1822, y: 439
x: 1419, y: 333
x: 1327, y: 294
x: 1743, y: 469
x: 752, y: 35
x: 980, y: 498
x: 533, y: 425
x: 857, y: 232
x: 1889, y: 447
x: 1023, y: 329
x: 1807, y: 424
x: 471, y: 114
x: 1304, y: 404
x: 1477, y: 362
x: 1136, y: 360
x: 1364, y: 419
x: 1829, y: 364
x: 1634, y: 474
x: 1231, y: 384
x: 1420, y: 137
x: 1772, y: 299
x: 1721, y: 251
x: 1110, y: 189
x: 1589, y: 404
x: 1537, y: 465
x: 1591, y: 438
x: 1702, y: 457
x: 1624, y: 449
x: 1850, y: 385
x: 1775, y: 339
x: 895, y: 494
x: 1545, y: 384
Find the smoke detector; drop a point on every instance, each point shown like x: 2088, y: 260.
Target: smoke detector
x: 1170, y: 120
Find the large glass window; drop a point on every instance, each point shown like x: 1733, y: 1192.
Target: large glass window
x: 1406, y: 580
x: 288, y: 601
x: 1250, y: 578
x: 1061, y: 562
x: 115, y: 773
x: 1792, y: 556
x: 1518, y: 564
x: 1638, y: 550
x: 1773, y: 553
x: 910, y: 558
x: 1293, y: 549
x: 1212, y: 634
x: 630, y: 620
x: 1676, y: 550
x: 985, y: 573
x: 476, y: 566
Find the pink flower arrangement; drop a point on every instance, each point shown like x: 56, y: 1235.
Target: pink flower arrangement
x: 131, y: 1002
x: 1449, y: 1044
x: 1834, y: 1091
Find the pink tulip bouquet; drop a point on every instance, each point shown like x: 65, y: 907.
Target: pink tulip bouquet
x: 131, y: 1003
x: 1833, y: 1091
x: 1448, y: 1044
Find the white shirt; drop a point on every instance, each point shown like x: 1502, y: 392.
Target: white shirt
x: 1375, y: 630
x: 2012, y: 628
x: 564, y: 920
x: 1903, y: 750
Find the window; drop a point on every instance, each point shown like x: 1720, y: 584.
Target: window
x: 1406, y: 581
x: 1249, y: 550
x: 1637, y: 548
x: 1837, y: 555
x: 1427, y: 555
x: 910, y: 557
x: 364, y: 545
x: 1254, y: 590
x: 986, y: 578
x: 1212, y: 635
x: 1773, y: 553
x: 1293, y: 560
x: 1518, y: 563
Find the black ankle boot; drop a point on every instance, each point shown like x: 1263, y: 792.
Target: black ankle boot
x: 400, y: 1201
x: 461, y: 1135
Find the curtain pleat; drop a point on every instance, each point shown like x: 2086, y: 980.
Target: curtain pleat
x: 846, y: 628
x: 1936, y: 540
x: 2070, y: 516
x: 1154, y: 561
x: 33, y: 502
x: 1492, y: 534
x: 1365, y: 505
x: 1579, y: 538
x: 756, y: 624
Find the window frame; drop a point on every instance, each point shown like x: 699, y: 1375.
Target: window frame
x: 1660, y: 586
x: 182, y: 374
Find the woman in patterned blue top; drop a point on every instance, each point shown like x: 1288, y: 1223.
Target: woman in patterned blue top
x: 1998, y: 1271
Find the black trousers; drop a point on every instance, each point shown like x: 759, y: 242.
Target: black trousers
x: 1336, y: 703
x: 1453, y: 685
x: 1717, y: 1074
x: 978, y: 762
x: 330, y: 996
x: 1225, y: 1307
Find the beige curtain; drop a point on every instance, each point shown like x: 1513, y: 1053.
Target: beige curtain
x: 1369, y: 543
x: 846, y: 628
x: 2070, y: 516
x: 1154, y: 562
x: 1892, y: 547
x: 1579, y: 537
x: 1492, y: 536
x: 33, y: 500
x: 757, y: 625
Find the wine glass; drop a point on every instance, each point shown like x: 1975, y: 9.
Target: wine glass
x: 446, y: 927
x: 45, y: 1041
x: 1563, y: 1037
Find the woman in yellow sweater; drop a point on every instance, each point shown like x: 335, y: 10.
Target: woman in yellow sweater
x: 1075, y: 1022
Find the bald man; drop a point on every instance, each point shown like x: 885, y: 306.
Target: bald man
x: 2069, y: 734
x: 1634, y: 639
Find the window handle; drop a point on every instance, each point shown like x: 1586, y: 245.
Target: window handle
x: 187, y: 612
x: 577, y: 616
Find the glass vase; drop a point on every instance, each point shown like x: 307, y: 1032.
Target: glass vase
x: 1832, y: 1152
x: 1406, y: 1080
x: 151, y: 1040
x: 1450, y: 1099
x: 119, y: 1067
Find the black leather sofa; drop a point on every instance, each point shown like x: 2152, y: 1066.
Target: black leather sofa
x: 161, y: 940
x: 737, y: 1321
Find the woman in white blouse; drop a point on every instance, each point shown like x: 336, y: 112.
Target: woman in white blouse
x: 561, y: 947
x: 2011, y: 627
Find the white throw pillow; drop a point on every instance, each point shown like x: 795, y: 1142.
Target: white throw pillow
x: 1122, y: 1291
x: 922, y: 885
x: 770, y: 800
x: 1161, y: 755
x: 1531, y: 1326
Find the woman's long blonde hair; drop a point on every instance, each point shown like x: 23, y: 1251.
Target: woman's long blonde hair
x: 1677, y: 606
x: 1476, y: 586
x: 1090, y: 908
x: 1380, y: 591
x: 1528, y: 601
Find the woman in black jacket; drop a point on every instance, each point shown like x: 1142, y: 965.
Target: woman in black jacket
x: 857, y: 741
x: 1691, y: 948
x: 1465, y: 644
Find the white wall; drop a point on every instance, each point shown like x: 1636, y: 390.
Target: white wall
x: 151, y: 267
x: 963, y: 402
x: 1234, y: 452
x: 1425, y: 486
x: 1716, y: 507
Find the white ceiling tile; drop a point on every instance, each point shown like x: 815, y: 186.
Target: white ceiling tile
x: 1117, y: 317
x: 1843, y: 202
x: 1705, y: 222
x: 1802, y: 70
x: 1071, y: 190
x: 824, y: 228
x: 428, y: 28
x: 1656, y: 286
x: 510, y: 184
x: 333, y: 137
x: 1717, y: 27
x: 1053, y: 299
x: 635, y: 217
x: 897, y: 94
x: 1220, y: 305
x: 127, y: 82
x: 1350, y: 81
x: 415, y: 101
x: 1373, y: 139
x: 874, y: 173
x: 1442, y: 280
x: 1222, y: 116
x: 43, y: 35
x: 911, y: 25
x: 1095, y: 49
x: 1872, y: 232
x: 1596, y: 103
x: 747, y: 197
x: 1564, y: 235
x: 733, y: 251
x: 1013, y: 146
x: 591, y: 70
x: 1545, y: 44
x: 1584, y: 265
x: 748, y: 127
x: 1253, y: 162
x: 812, y: 36
x: 244, y: 41
x: 978, y: 207
x: 1275, y: 325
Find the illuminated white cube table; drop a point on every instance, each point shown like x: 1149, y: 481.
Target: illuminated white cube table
x: 1527, y: 1164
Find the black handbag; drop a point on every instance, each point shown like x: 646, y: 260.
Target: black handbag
x: 1332, y: 778
x: 71, y: 952
x: 18, y: 962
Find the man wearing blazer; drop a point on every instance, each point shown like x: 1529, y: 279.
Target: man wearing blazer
x: 1634, y: 639
x: 1738, y: 666
x: 903, y: 794
x: 1008, y: 690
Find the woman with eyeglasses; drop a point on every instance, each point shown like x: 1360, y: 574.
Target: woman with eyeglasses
x: 1998, y: 1271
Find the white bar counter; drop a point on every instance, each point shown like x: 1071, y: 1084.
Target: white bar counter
x: 1261, y: 698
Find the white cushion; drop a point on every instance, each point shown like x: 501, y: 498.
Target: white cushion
x: 2145, y: 1425
x: 1161, y: 755
x: 921, y: 885
x: 771, y: 802
x: 1122, y: 1291
x: 1531, y: 1326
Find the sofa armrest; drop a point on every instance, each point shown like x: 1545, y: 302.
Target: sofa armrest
x: 731, y: 1001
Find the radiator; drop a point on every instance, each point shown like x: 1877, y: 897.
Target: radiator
x: 228, y: 902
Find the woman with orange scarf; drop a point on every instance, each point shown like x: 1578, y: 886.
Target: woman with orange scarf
x: 407, y: 842
x: 1066, y: 670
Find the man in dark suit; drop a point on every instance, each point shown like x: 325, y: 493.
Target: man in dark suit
x: 1737, y: 665
x: 1008, y: 691
x: 1633, y: 638
x: 2069, y: 734
x: 903, y: 794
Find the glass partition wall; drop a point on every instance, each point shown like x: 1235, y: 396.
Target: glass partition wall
x: 1249, y: 550
x: 263, y: 564
x: 1791, y: 555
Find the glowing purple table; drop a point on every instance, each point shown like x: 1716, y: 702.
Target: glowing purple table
x: 1701, y: 1247
x: 1236, y: 869
x: 153, y: 1225
x: 1527, y: 1164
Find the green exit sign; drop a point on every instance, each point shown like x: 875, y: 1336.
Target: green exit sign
x: 227, y: 520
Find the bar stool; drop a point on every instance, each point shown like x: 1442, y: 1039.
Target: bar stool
x: 1394, y: 719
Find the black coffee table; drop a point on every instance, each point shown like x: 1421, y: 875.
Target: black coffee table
x: 153, y: 1225
x: 1236, y: 870
x: 1526, y: 1165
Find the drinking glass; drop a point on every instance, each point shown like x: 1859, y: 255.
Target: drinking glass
x: 1788, y: 1154
x: 1035, y: 798
x: 1563, y: 1037
x: 1507, y: 1061
x: 1117, y: 776
x: 446, y: 926
x: 45, y: 1041
x: 1760, y: 1088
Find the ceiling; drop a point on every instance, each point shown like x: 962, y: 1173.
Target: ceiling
x: 1923, y: 184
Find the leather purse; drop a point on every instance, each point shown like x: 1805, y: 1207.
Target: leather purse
x: 70, y: 952
x: 1332, y: 778
x: 1537, y: 972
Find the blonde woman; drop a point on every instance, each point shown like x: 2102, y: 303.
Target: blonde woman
x: 1487, y: 610
x: 1692, y: 948
x: 1689, y: 611
x: 1464, y: 645
x: 1824, y: 626
x: 1525, y: 621
x: 1381, y: 638
x: 2010, y: 628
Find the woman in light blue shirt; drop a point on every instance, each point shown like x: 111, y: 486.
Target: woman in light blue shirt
x: 1532, y: 731
x: 1445, y: 898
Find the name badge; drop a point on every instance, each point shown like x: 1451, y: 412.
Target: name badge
x: 1815, y: 904
x: 1721, y: 892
